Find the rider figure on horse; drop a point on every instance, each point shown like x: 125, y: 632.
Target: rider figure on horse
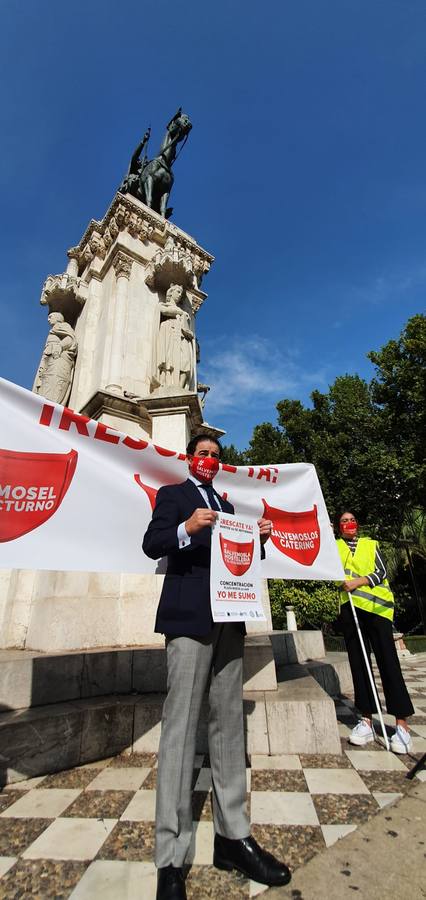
x: 151, y: 181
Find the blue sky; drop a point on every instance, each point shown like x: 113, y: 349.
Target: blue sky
x: 304, y: 173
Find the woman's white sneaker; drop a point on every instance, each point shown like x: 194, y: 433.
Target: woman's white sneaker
x: 362, y: 733
x: 401, y: 741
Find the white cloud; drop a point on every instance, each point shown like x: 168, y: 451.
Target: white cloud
x: 388, y: 287
x: 250, y: 371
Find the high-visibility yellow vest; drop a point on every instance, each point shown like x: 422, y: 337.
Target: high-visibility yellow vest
x: 378, y: 600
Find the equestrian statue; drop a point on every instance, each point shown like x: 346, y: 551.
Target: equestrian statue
x: 151, y: 180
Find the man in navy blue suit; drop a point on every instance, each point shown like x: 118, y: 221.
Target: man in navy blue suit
x: 200, y: 652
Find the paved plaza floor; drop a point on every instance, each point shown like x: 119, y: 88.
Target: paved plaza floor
x: 89, y: 832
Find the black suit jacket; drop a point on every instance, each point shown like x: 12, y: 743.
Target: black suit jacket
x: 184, y: 607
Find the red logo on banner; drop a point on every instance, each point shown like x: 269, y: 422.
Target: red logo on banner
x: 237, y: 557
x: 32, y: 487
x: 296, y: 534
x: 150, y: 491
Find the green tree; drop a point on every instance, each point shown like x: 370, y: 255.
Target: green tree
x: 339, y: 435
x: 399, y: 390
x: 365, y: 440
x: 232, y: 456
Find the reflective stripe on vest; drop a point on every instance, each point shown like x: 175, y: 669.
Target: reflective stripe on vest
x: 378, y: 600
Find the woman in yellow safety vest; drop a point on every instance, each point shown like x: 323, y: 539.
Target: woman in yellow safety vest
x: 365, y: 578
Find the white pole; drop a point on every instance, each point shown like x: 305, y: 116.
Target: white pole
x: 370, y: 674
x: 291, y: 619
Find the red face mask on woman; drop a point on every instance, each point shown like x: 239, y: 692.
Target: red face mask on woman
x: 349, y: 528
x: 204, y: 467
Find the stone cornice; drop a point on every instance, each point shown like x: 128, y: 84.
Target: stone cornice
x: 128, y: 213
x: 102, y: 402
x: 60, y: 290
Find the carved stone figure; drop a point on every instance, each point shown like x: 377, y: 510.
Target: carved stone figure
x: 175, y: 344
x: 54, y: 376
x: 152, y: 181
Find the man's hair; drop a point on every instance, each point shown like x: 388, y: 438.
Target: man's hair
x: 203, y: 436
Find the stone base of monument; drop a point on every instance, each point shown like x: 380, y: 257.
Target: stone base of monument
x: 65, y: 710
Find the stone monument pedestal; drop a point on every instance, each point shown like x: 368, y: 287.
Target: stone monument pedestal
x: 130, y: 295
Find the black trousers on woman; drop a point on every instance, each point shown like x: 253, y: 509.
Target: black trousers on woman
x: 378, y: 637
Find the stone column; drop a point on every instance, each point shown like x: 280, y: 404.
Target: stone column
x: 122, y: 266
x: 72, y: 266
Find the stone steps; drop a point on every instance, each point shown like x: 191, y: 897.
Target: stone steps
x: 29, y: 678
x: 298, y: 717
x: 65, y: 710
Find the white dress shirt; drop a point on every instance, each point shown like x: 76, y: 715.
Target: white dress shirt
x: 183, y: 537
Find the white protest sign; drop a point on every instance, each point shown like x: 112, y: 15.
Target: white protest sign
x: 235, y: 577
x: 77, y: 494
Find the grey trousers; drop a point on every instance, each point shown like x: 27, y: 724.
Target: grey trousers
x: 190, y: 662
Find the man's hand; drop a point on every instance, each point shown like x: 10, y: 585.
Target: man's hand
x: 199, y: 519
x: 265, y: 528
x: 353, y: 583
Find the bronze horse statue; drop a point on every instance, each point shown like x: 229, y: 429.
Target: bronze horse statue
x: 151, y: 181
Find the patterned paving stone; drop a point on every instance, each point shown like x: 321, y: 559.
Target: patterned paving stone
x: 294, y: 844
x: 134, y: 760
x: 334, y: 781
x: 374, y: 746
x: 207, y: 882
x: 41, y: 879
x: 17, y: 834
x: 141, y: 807
x: 9, y: 797
x: 114, y: 779
x: 286, y: 761
x: 129, y: 840
x: 333, y: 833
x: 289, y: 808
x: 270, y: 780
x: 42, y: 804
x: 115, y: 879
x: 324, y: 761
x: 27, y: 785
x: 6, y: 863
x: 150, y: 783
x: 100, y: 804
x: 71, y: 839
x: 383, y: 762
x: 336, y: 809
x: 75, y: 778
x: 386, y: 781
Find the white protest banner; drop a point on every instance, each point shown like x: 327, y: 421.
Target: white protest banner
x: 76, y: 494
x: 235, y: 577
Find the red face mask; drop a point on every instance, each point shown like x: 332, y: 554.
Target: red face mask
x: 204, y: 467
x: 349, y: 527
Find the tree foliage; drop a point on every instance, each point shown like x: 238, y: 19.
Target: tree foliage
x: 366, y: 440
x: 399, y: 390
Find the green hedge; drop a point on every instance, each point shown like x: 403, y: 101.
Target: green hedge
x: 416, y: 643
x: 315, y: 602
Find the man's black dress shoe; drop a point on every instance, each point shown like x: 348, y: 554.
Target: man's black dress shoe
x: 246, y: 856
x: 170, y: 884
